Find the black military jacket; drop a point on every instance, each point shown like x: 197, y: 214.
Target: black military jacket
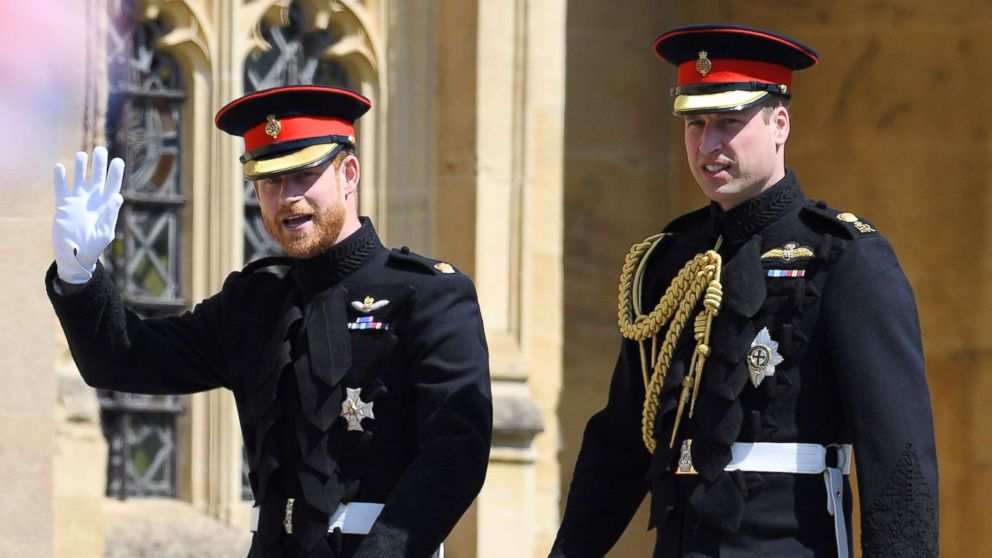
x: 405, y: 332
x: 847, y: 328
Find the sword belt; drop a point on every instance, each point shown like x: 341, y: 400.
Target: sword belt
x: 800, y: 459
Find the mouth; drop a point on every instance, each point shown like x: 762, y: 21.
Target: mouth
x: 714, y: 168
x: 296, y: 222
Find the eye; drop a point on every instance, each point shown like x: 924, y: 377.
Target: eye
x: 693, y: 122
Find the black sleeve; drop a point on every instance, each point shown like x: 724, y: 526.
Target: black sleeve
x: 608, y: 483
x: 115, y: 349
x: 449, y: 363
x: 877, y: 353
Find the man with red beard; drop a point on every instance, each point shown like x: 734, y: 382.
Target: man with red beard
x: 767, y: 340
x: 361, y: 375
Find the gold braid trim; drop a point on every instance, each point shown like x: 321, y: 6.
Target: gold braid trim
x: 680, y: 298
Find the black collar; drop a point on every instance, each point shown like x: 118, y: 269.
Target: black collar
x: 757, y: 213
x: 328, y: 268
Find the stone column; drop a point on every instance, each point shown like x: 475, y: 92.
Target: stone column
x: 41, y: 110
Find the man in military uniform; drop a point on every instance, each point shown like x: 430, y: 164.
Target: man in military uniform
x: 768, y: 339
x: 361, y: 375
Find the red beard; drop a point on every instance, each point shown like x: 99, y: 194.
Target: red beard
x: 325, y: 228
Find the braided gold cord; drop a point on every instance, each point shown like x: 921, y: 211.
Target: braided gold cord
x: 674, y: 309
x: 701, y: 334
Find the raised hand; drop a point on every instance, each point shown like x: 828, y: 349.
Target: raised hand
x: 85, y: 218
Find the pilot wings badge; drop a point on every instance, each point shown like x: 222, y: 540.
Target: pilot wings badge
x: 790, y: 251
x: 368, y: 305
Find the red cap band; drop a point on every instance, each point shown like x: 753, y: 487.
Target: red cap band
x: 735, y: 71
x: 297, y: 128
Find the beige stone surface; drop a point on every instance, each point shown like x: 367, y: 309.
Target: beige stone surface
x: 166, y: 528
x: 79, y: 469
x: 25, y: 470
x: 28, y: 395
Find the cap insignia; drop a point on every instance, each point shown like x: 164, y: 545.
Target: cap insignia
x: 703, y: 65
x: 847, y: 217
x: 272, y: 126
x: 763, y: 357
x: 353, y: 409
x: 444, y: 267
x: 788, y: 252
x: 368, y: 305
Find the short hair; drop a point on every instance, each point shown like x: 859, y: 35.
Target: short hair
x: 771, y: 103
x: 346, y: 150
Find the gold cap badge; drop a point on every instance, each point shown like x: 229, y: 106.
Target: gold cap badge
x: 847, y: 217
x: 444, y: 267
x: 272, y: 126
x: 703, y: 65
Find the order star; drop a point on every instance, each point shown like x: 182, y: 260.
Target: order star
x: 353, y: 409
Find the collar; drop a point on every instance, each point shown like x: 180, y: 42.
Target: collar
x: 757, y: 213
x: 337, y: 262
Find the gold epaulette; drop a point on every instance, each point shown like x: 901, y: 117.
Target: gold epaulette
x: 680, y: 298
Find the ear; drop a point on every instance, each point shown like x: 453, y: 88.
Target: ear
x: 780, y: 120
x: 352, y: 171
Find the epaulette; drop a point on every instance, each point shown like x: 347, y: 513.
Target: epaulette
x: 688, y: 220
x: 411, y: 259
x: 851, y: 225
x: 268, y: 261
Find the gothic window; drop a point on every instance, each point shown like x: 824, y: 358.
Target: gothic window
x: 144, y: 125
x: 296, y: 56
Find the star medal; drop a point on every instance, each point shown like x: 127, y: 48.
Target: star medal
x: 763, y: 357
x: 353, y: 409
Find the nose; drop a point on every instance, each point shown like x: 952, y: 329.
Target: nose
x: 710, y: 139
x: 291, y: 190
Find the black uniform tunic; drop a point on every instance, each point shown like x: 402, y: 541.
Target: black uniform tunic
x: 284, y: 347
x: 847, y: 327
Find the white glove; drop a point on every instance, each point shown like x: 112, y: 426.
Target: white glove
x: 86, y: 217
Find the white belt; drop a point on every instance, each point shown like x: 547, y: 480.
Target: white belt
x: 353, y: 518
x: 803, y: 459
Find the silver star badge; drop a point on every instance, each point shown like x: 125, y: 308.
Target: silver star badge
x: 353, y: 409
x: 763, y: 357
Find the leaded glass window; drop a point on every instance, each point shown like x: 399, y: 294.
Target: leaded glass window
x: 144, y: 125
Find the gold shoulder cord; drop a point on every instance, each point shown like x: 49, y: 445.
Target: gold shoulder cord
x: 679, y: 300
